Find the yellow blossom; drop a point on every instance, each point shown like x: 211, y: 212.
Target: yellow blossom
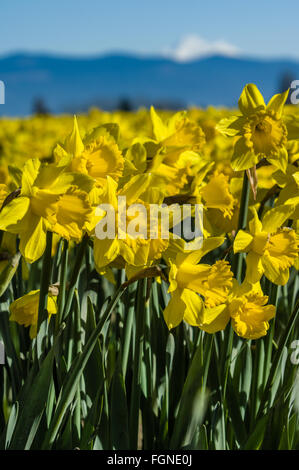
x: 44, y: 204
x: 249, y: 313
x: 25, y: 310
x: 271, y: 249
x: 188, y: 279
x: 260, y: 130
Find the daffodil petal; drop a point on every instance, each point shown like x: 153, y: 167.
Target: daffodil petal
x: 230, y: 126
x: 251, y: 100
x: 215, y: 319
x: 13, y: 212
x: 243, y: 158
x: 194, y: 307
x: 73, y: 143
x: 175, y: 310
x: 33, y: 241
x: 277, y: 103
x: 208, y: 244
x: 273, y: 270
x: 280, y: 159
x: 254, y: 267
x: 159, y: 129
x: 30, y: 173
x: 255, y: 225
x: 105, y: 251
x: 136, y: 186
x: 242, y: 241
x: 275, y: 218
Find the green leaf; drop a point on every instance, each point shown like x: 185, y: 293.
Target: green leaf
x: 119, y: 413
x: 235, y: 411
x: 8, y: 272
x: 192, y: 407
x: 255, y: 439
x: 202, y: 442
x: 94, y: 374
x: 246, y: 378
x: 33, y: 405
x: 69, y: 387
x: 138, y: 353
x: 275, y: 367
x: 11, y: 424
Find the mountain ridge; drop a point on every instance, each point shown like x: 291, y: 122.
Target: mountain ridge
x: 73, y: 84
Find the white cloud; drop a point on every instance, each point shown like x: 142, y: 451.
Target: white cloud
x: 194, y: 47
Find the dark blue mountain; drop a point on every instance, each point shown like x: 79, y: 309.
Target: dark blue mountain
x: 74, y: 84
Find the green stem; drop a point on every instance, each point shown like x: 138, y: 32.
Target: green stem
x: 274, y: 368
x: 42, y: 323
x: 238, y: 258
x: 74, y: 375
x: 75, y: 277
x: 45, y: 281
x: 270, y: 336
x: 128, y: 325
x: 62, y: 284
x: 237, y: 269
x: 136, y: 385
x: 77, y: 350
x: 257, y: 380
x: 228, y: 356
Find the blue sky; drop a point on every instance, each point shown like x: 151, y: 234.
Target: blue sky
x: 176, y: 28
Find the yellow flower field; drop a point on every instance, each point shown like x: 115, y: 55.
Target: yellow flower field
x: 126, y: 342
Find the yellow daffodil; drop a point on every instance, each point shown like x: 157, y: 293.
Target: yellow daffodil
x: 146, y: 156
x: 177, y: 134
x: 216, y: 194
x: 25, y: 310
x: 136, y: 251
x: 173, y: 152
x: 220, y: 204
x: 271, y: 249
x: 188, y: 278
x: 289, y: 194
x: 260, y: 130
x: 73, y: 213
x: 249, y: 311
x: 245, y: 305
x: 47, y: 201
x: 98, y: 156
x: 158, y: 157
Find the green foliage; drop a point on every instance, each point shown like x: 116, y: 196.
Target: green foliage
x: 106, y: 373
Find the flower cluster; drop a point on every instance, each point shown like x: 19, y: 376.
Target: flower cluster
x: 196, y: 157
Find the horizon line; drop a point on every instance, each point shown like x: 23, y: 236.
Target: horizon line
x: 142, y: 56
